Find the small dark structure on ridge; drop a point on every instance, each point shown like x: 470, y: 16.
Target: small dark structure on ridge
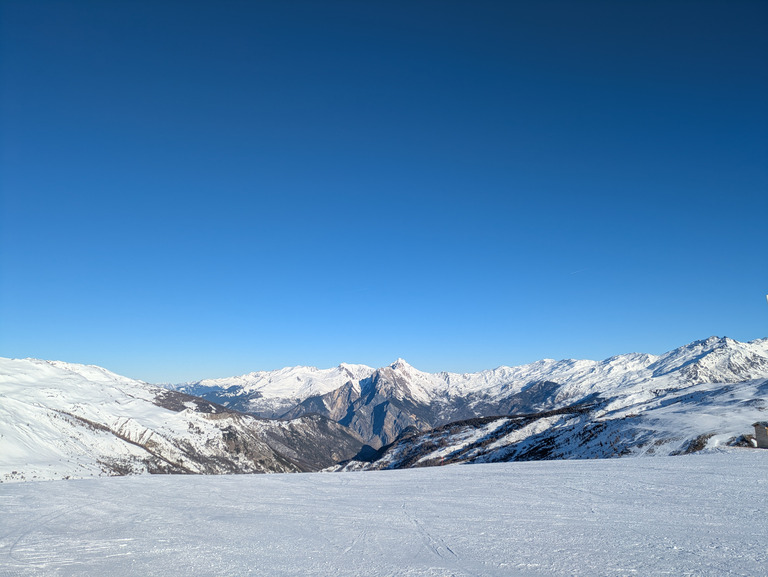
x: 761, y: 434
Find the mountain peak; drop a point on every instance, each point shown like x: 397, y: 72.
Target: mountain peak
x: 400, y: 364
x: 715, y: 342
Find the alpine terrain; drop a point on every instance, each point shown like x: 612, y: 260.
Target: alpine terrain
x: 706, y: 393
x: 63, y: 420
x: 60, y: 420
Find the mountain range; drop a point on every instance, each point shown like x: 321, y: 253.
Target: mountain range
x: 62, y: 420
x: 379, y: 404
x: 59, y: 419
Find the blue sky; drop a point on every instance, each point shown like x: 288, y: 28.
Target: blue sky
x: 200, y: 189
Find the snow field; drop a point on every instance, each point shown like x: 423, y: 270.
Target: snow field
x: 702, y: 514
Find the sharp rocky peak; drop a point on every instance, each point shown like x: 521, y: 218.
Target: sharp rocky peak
x: 715, y: 341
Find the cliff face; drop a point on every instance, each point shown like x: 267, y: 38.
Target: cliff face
x: 378, y: 408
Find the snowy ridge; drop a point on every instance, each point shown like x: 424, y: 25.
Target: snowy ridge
x: 635, y: 422
x: 272, y: 394
x: 296, y: 383
x: 711, y: 360
x: 62, y: 420
x: 380, y: 404
x: 412, y: 384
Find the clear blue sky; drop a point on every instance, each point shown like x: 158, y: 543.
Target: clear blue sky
x: 200, y: 189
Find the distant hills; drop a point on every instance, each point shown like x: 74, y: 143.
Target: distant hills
x: 59, y: 419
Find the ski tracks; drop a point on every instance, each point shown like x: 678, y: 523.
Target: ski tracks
x: 434, y: 543
x: 31, y: 546
x: 21, y: 555
x: 361, y: 537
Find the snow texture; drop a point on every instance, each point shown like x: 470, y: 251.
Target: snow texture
x: 702, y: 514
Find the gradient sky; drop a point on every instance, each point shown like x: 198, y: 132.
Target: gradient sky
x: 203, y: 189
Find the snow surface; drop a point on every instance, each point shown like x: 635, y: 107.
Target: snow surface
x: 703, y: 514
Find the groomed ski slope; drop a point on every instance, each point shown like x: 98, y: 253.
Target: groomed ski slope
x: 702, y: 514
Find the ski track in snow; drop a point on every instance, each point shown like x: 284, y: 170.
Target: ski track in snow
x: 703, y: 514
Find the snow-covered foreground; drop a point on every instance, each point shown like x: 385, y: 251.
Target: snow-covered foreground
x: 703, y: 514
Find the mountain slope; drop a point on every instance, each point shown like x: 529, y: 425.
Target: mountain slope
x: 64, y: 420
x: 669, y: 422
x: 270, y: 394
x: 379, y: 407
x: 59, y: 419
x: 380, y: 404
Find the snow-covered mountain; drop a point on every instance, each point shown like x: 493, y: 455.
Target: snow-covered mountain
x: 669, y: 422
x: 270, y: 394
x: 379, y: 404
x: 61, y: 420
x: 705, y: 394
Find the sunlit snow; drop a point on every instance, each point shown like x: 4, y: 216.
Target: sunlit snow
x: 703, y: 514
